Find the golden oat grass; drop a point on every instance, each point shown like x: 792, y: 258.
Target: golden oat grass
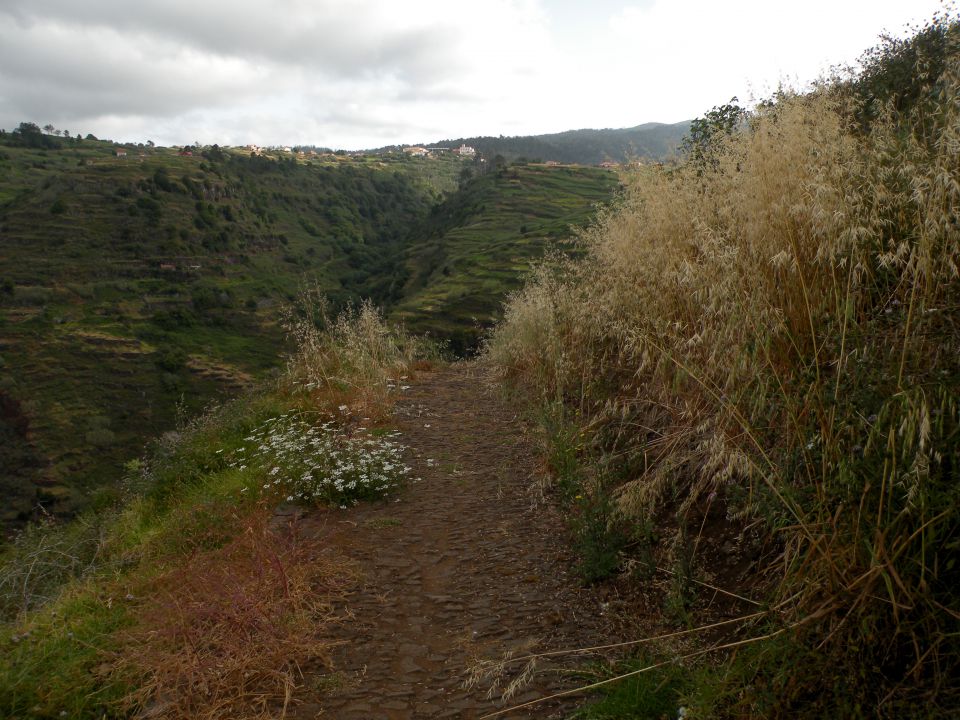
x: 781, y: 327
x: 355, y: 355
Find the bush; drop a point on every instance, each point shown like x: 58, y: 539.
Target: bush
x: 171, y: 359
x: 100, y: 437
x: 357, y: 351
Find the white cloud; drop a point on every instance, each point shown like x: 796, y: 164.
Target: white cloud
x: 690, y: 56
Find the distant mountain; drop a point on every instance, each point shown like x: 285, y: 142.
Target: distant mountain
x: 654, y: 141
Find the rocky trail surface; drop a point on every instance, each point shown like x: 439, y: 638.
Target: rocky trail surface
x: 464, y: 566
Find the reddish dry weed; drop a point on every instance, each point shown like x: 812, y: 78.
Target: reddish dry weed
x: 225, y: 633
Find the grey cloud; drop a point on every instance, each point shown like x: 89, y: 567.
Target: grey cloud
x: 69, y: 62
x: 91, y: 74
x: 286, y: 71
x: 332, y: 37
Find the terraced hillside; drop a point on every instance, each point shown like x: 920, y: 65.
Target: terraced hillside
x: 133, y: 284
x: 478, y: 245
x: 137, y: 287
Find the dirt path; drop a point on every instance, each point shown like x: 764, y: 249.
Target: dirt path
x: 458, y: 567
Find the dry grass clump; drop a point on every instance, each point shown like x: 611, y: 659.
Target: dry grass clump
x: 781, y: 326
x: 225, y: 635
x: 356, y: 355
x: 42, y: 558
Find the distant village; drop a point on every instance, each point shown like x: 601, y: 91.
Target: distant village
x: 44, y: 137
x: 411, y: 150
x: 417, y: 151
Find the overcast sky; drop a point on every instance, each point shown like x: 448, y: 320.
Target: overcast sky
x: 366, y: 73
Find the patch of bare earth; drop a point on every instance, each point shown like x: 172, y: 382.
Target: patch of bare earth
x: 460, y: 567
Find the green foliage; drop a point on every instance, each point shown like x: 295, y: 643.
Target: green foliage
x: 181, y: 264
x: 161, y: 178
x: 654, y: 141
x: 649, y: 695
x: 597, y: 534
x: 49, y: 668
x: 468, y: 255
x: 27, y: 134
x: 100, y: 437
x: 907, y: 75
x: 165, y: 260
x: 708, y: 132
x: 171, y: 359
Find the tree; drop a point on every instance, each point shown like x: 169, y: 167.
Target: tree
x: 701, y: 144
x: 48, y: 129
x: 28, y: 134
x: 27, y: 128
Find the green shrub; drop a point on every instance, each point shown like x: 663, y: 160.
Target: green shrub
x: 100, y: 437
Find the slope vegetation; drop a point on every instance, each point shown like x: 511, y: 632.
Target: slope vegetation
x: 136, y: 287
x: 476, y: 246
x: 752, y: 378
x: 131, y: 284
x: 650, y: 141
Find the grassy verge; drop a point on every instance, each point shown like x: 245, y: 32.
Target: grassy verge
x: 638, y: 689
x: 191, y: 598
x: 582, y: 486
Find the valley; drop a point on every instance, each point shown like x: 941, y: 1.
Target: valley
x: 138, y: 284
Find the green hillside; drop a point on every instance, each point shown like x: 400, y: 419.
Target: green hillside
x: 131, y: 284
x: 135, y: 287
x: 478, y: 245
x: 654, y: 141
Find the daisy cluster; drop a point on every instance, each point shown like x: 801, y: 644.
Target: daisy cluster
x: 321, y: 463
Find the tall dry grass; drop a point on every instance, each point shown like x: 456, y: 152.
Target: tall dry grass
x: 779, y: 326
x: 356, y: 353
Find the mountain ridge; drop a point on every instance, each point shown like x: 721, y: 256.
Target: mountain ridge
x: 583, y: 146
